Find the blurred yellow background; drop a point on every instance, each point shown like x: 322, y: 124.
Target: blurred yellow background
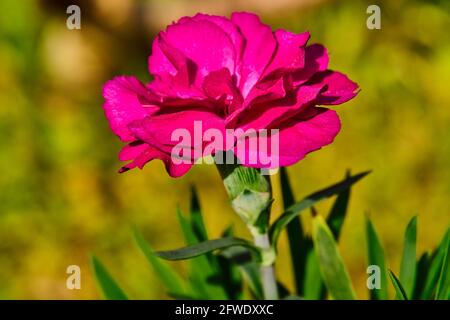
x: 61, y: 197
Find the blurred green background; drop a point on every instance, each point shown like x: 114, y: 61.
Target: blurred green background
x: 61, y: 197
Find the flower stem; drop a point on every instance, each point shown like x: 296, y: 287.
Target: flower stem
x: 250, y: 193
x: 267, y: 269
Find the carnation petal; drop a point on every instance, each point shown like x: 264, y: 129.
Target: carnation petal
x: 302, y: 136
x: 218, y: 84
x: 260, y: 45
x: 124, y: 98
x: 272, y: 113
x: 229, y: 28
x: 141, y: 154
x: 204, y: 43
x: 316, y: 60
x: 295, y: 140
x: 161, y: 130
x: 338, y: 88
x: 290, y: 53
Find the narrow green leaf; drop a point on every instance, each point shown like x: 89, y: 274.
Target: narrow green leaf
x: 186, y: 228
x: 239, y: 255
x: 198, y: 225
x: 408, y: 263
x: 332, y: 267
x: 228, y: 232
x: 249, y: 269
x: 376, y: 257
x: 401, y: 294
x: 250, y: 272
x: 314, y: 288
x: 296, y: 237
x: 309, y: 201
x: 171, y: 280
x: 434, y: 269
x: 204, y: 247
x: 229, y: 278
x: 443, y: 287
x: 338, y: 212
x: 283, y: 292
x: 229, y: 275
x: 107, y: 284
x: 421, y: 274
x: 201, y: 282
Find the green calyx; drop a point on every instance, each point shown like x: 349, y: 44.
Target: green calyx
x: 250, y: 194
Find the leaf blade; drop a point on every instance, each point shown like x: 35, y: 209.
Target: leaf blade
x: 376, y: 257
x: 408, y: 266
x: 309, y: 201
x: 434, y: 269
x: 198, y: 225
x: 401, y: 294
x: 109, y: 287
x: 333, y: 270
x: 171, y: 279
x: 314, y: 288
x: 338, y: 212
x: 249, y: 269
x: 423, y: 266
x: 443, y: 287
x: 201, y: 281
x: 203, y: 247
x: 296, y: 237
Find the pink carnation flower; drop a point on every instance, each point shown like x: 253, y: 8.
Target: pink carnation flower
x: 229, y: 74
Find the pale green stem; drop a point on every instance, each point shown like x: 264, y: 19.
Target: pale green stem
x: 267, y: 269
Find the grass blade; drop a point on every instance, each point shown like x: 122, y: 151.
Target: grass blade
x: 443, y: 287
x: 202, y: 282
x: 338, y: 212
x: 376, y: 257
x: 186, y: 228
x: 204, y: 247
x: 171, y: 280
x: 109, y: 287
x: 229, y: 275
x: 332, y: 267
x: 198, y: 225
x: 423, y: 266
x: 249, y: 269
x: 434, y: 269
x: 401, y: 294
x: 314, y: 288
x: 408, y: 265
x: 309, y: 201
x: 296, y: 237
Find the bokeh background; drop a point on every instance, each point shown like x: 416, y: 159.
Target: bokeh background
x: 61, y: 198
